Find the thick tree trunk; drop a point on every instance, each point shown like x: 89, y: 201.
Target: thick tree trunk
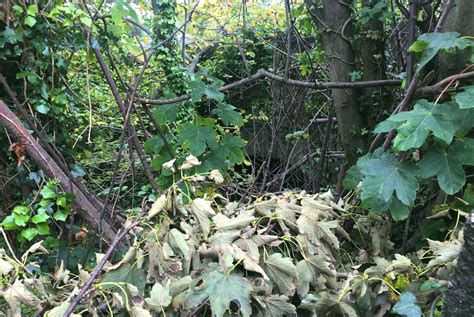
x: 461, y: 20
x: 88, y: 210
x: 459, y: 299
x: 334, y: 21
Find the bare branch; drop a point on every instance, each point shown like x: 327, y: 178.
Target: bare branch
x: 266, y: 74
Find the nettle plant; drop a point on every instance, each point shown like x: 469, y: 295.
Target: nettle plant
x: 432, y: 141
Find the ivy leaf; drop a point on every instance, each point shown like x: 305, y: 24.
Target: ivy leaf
x: 9, y: 223
x: 43, y: 228
x: 432, y: 43
x: 166, y: 113
x: 223, y: 290
x: 407, y: 306
x: 47, y: 192
x: 29, y: 233
x: 426, y: 117
x: 41, y: 216
x: 446, y: 163
x: 30, y: 21
x: 386, y: 176
x: 228, y: 114
x: 196, y: 138
x: 282, y: 272
x: 60, y: 215
x: 465, y: 99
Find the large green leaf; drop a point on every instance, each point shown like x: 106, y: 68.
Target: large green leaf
x: 465, y: 99
x: 159, y: 297
x: 386, y: 176
x: 128, y: 274
x: 282, y: 272
x: 196, y: 138
x: 166, y: 113
x: 276, y: 306
x: 231, y: 148
x: 432, y: 43
x: 223, y: 291
x: 446, y: 163
x: 309, y: 271
x: 407, y: 306
x: 228, y: 114
x: 426, y: 117
x: 199, y: 89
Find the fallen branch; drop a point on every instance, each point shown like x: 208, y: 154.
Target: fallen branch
x: 266, y: 74
x: 90, y: 213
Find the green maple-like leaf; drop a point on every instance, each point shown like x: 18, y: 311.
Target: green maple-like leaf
x: 416, y: 125
x: 199, y: 89
x: 282, y: 272
x: 128, y: 274
x: 232, y: 148
x: 432, y: 43
x: 407, y: 306
x: 309, y: 270
x: 386, y: 176
x: 159, y: 297
x: 228, y: 114
x: 446, y: 163
x: 276, y: 306
x: 196, y: 138
x: 166, y: 113
x: 223, y: 291
x: 465, y: 99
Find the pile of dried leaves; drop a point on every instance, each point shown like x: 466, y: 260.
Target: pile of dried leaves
x: 278, y: 255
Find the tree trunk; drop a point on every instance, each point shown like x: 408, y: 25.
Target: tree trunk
x: 334, y: 21
x: 460, y: 19
x: 460, y: 294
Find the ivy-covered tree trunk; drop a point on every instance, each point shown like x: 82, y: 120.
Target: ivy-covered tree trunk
x: 334, y: 21
x: 459, y: 297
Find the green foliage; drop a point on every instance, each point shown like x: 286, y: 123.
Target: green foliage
x: 33, y: 219
x: 432, y: 133
x: 415, y: 126
x: 407, y: 306
x: 431, y: 43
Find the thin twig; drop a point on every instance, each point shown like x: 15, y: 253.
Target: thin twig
x: 120, y: 235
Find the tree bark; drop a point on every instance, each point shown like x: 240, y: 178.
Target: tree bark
x: 460, y: 19
x: 334, y: 21
x: 460, y: 294
x: 90, y: 213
